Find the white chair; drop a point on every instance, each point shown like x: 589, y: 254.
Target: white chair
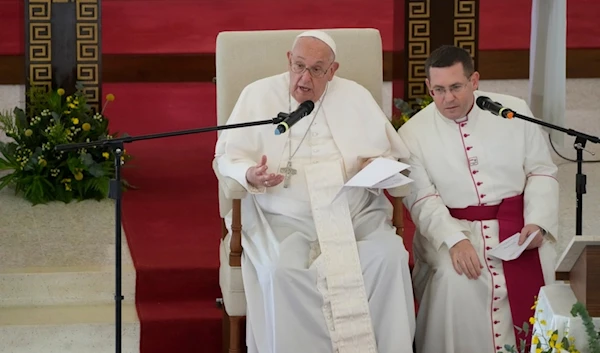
x: 241, y: 58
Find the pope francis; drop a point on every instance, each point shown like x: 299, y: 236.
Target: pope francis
x: 320, y: 275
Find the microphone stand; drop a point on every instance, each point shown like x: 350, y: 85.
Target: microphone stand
x: 581, y: 140
x: 116, y: 145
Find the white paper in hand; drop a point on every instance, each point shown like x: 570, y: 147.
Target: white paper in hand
x: 510, y: 249
x: 381, y: 173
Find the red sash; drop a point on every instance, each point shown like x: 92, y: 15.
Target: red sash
x: 524, y: 276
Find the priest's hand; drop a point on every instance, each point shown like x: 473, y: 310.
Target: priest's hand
x: 257, y: 176
x: 465, y: 259
x: 527, y: 231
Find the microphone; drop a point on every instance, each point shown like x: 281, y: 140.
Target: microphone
x: 303, y: 110
x: 495, y: 108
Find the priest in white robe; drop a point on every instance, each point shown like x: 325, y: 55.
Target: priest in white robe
x: 320, y: 275
x: 478, y: 179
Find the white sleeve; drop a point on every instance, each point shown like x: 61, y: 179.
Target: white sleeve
x: 426, y: 207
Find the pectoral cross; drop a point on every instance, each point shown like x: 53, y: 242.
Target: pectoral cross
x: 288, y: 171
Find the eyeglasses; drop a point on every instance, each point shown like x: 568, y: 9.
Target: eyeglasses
x: 316, y: 72
x: 454, y: 89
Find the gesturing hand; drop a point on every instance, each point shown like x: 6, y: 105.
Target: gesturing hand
x: 258, y: 176
x: 465, y: 259
x: 527, y: 231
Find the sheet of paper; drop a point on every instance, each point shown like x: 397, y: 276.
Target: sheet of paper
x: 510, y: 249
x: 393, y: 181
x: 381, y: 173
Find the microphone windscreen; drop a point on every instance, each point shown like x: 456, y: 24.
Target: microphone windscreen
x: 308, y: 105
x: 481, y: 101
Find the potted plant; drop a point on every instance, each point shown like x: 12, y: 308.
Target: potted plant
x: 31, y: 165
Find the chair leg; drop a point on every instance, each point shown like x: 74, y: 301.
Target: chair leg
x: 232, y: 333
x: 235, y: 334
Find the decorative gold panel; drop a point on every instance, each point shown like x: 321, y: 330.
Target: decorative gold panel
x: 39, y: 38
x: 465, y: 25
x: 88, y: 49
x: 418, y: 47
x: 77, y: 29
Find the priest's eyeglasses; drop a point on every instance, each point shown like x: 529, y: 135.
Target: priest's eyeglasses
x: 454, y: 89
x: 316, y: 72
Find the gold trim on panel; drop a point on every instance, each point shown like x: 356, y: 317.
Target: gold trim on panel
x: 40, y: 43
x: 39, y: 10
x: 418, y: 48
x: 88, y: 50
x: 465, y: 23
x: 464, y: 8
x: 418, y: 9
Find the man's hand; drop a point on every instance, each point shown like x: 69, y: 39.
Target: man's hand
x: 366, y: 163
x: 258, y: 175
x: 527, y: 231
x: 465, y: 259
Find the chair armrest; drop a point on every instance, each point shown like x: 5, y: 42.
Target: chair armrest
x: 398, y: 215
x: 231, y: 188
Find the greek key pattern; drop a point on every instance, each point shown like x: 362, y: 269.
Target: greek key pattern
x: 465, y: 29
x: 418, y: 45
x: 88, y: 49
x: 39, y: 43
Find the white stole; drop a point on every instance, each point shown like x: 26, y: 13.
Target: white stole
x: 340, y: 279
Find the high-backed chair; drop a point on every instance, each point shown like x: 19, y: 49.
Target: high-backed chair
x: 241, y: 58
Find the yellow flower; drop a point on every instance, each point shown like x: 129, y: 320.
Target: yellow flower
x: 532, y: 320
x: 78, y: 176
x: 69, y: 98
x: 71, y: 105
x: 42, y: 162
x: 110, y: 97
x: 28, y: 132
x: 68, y: 187
x: 75, y: 121
x: 86, y: 126
x: 543, y: 322
x: 538, y: 350
x: 559, y: 345
x: 535, y: 340
x: 554, y: 337
x: 106, y: 155
x: 61, y: 92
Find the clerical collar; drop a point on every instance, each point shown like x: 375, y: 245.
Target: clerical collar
x: 466, y: 117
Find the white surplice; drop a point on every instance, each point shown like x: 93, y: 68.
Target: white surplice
x: 478, y: 160
x: 319, y: 276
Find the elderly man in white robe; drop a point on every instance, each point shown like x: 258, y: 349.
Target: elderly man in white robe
x: 320, y: 275
x: 478, y: 179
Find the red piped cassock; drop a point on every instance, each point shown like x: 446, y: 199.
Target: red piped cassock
x: 480, y: 178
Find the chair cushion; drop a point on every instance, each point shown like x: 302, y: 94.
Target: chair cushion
x: 230, y: 280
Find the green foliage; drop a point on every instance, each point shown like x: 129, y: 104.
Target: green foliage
x: 407, y: 110
x: 42, y: 174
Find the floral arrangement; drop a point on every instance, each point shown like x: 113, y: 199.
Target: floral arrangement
x: 406, y: 111
x: 39, y: 172
x: 550, y: 341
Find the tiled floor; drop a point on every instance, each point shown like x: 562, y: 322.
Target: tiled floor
x: 56, y: 262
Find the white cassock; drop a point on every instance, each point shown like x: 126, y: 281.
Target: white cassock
x: 468, y: 177
x: 319, y: 276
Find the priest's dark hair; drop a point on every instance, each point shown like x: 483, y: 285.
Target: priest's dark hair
x: 448, y: 55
